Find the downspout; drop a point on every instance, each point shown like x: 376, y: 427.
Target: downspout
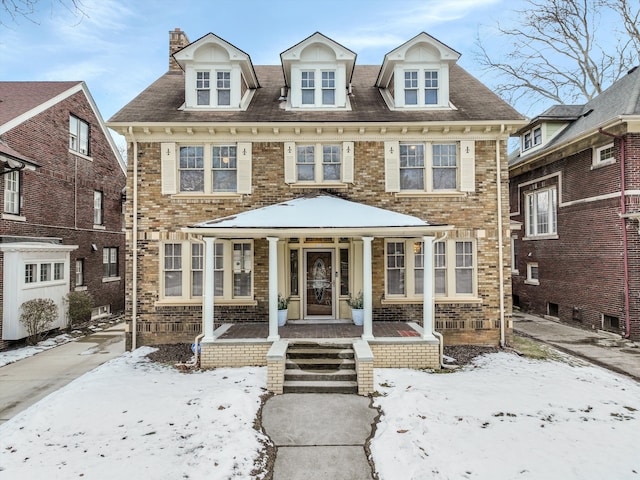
x: 438, y: 335
x: 134, y: 239
x: 623, y: 223
x: 500, y: 245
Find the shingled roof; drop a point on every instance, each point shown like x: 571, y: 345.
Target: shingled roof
x: 161, y: 102
x: 18, y: 98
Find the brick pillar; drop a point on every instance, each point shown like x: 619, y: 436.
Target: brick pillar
x: 177, y: 41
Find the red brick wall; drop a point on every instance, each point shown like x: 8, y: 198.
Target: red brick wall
x: 58, y: 196
x: 582, y: 270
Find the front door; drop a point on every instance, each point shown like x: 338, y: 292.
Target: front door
x: 320, y: 284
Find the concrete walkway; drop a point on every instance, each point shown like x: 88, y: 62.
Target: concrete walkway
x: 602, y: 348
x: 27, y: 381
x: 319, y: 436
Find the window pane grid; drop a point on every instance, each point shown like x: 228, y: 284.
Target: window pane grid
x: 12, y: 193
x: 440, y: 266
x: 308, y: 87
x: 464, y: 267
x: 331, y: 162
x: 328, y: 88
x: 192, y: 169
x: 242, y: 266
x: 418, y: 265
x: 412, y: 167
x: 431, y: 87
x: 541, y: 212
x: 444, y: 166
x: 305, y: 160
x: 224, y: 87
x: 395, y: 268
x: 197, y: 267
x: 225, y: 175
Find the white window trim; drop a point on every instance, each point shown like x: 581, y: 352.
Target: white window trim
x: 186, y: 272
x: 596, y: 162
x: 531, y: 133
x: 341, y: 99
x: 291, y: 165
x: 553, y: 214
x: 77, y: 136
x: 117, y: 263
x: 443, y: 86
x: 428, y: 169
x: 530, y: 280
x: 9, y: 179
x: 37, y: 283
x: 237, y: 101
x: 450, y: 261
x: 171, y: 170
x: 514, y: 264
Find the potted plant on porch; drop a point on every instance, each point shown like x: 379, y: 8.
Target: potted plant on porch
x: 283, y: 309
x: 357, y: 308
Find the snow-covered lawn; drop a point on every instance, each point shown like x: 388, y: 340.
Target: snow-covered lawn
x: 131, y: 418
x: 508, y: 417
x: 504, y: 417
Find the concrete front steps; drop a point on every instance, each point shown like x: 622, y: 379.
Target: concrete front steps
x: 320, y: 368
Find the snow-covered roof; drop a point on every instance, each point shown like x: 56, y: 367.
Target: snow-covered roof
x: 319, y: 212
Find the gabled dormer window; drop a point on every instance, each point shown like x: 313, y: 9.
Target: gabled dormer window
x: 317, y: 73
x: 416, y: 75
x: 217, y: 75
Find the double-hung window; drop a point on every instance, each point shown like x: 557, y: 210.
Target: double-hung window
x: 183, y: 270
x: 604, y: 155
x: 223, y: 86
x: 532, y: 138
x: 430, y: 87
x: 308, y: 86
x: 328, y: 88
x: 430, y: 167
x: 203, y: 88
x: 12, y: 193
x: 453, y: 264
x: 79, y: 272
x: 225, y: 168
x: 191, y: 169
x: 110, y: 262
x: 411, y: 88
x: 78, y: 135
x: 541, y: 212
x: 98, y: 207
x: 319, y: 163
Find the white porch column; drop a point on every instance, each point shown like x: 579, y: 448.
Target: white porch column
x: 367, y: 286
x: 208, y: 290
x: 428, y: 306
x: 273, y: 289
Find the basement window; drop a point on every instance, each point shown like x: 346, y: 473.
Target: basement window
x: 552, y: 309
x: 610, y: 323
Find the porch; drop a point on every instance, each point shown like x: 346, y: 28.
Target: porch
x: 394, y: 345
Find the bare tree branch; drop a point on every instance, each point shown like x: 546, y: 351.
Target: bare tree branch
x: 560, y: 51
x: 27, y: 9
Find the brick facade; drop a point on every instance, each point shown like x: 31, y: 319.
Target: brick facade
x: 472, y: 215
x: 581, y: 278
x: 57, y: 198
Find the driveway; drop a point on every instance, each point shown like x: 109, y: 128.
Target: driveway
x: 27, y: 381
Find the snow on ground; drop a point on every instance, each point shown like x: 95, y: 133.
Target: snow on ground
x: 507, y: 417
x: 132, y: 418
x: 504, y: 417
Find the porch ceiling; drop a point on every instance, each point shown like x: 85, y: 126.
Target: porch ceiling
x: 321, y: 214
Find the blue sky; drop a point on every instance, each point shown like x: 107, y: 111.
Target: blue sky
x: 121, y: 46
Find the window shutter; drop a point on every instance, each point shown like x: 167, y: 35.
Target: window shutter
x: 244, y: 167
x: 468, y: 166
x: 392, y: 166
x: 169, y: 167
x: 347, y: 162
x: 289, y: 162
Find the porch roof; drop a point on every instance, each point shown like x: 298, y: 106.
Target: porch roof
x: 320, y: 214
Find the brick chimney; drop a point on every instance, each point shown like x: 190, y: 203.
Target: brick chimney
x: 177, y: 41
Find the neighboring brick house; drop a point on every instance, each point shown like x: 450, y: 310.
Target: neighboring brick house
x: 316, y: 179
x: 575, y: 204
x: 61, y: 227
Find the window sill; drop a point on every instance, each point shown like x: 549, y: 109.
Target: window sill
x: 81, y: 288
x: 110, y: 279
x: 605, y: 163
x: 14, y: 218
x: 515, y: 272
x: 204, y: 196
x: 166, y: 302
x: 343, y: 186
x: 532, y: 282
x: 541, y: 237
x: 99, y: 227
x: 413, y: 300
x: 417, y: 193
x: 81, y: 155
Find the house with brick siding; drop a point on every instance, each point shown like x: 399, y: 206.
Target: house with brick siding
x: 575, y: 207
x: 317, y: 179
x: 61, y: 228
